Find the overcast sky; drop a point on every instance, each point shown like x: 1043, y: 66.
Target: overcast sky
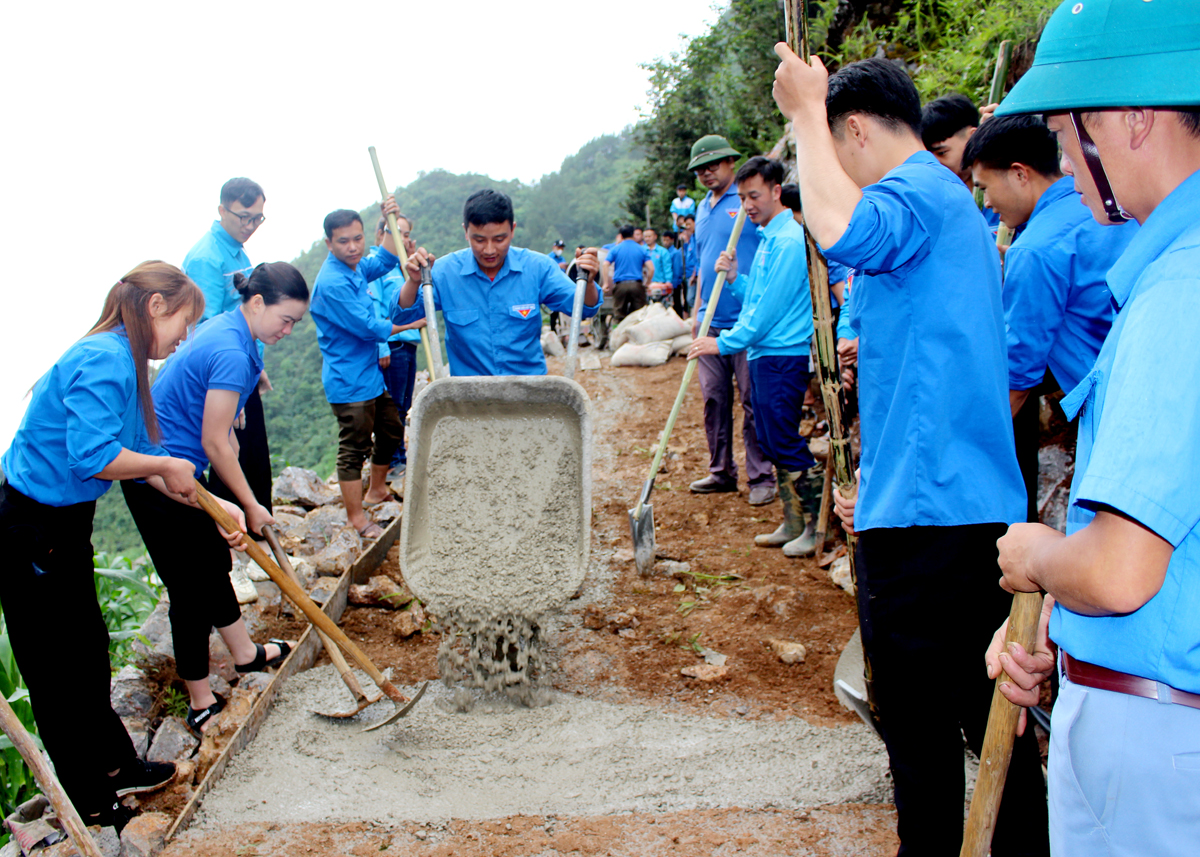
x: 124, y: 119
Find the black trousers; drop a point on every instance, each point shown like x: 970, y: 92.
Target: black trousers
x: 254, y: 455
x: 192, y: 559
x: 60, y: 643
x: 929, y: 602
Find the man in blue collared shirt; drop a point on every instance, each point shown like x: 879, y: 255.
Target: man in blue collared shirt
x: 490, y: 293
x: 660, y: 256
x: 1057, y: 309
x: 1117, y: 84
x: 947, y: 125
x: 629, y: 270
x: 939, y: 480
x: 713, y: 162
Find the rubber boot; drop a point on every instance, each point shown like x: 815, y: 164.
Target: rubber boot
x: 808, y: 485
x: 793, y: 512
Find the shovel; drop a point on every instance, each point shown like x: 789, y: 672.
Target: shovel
x: 572, y: 360
x: 641, y: 516
x: 335, y: 654
x: 314, y: 613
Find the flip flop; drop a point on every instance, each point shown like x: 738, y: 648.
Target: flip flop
x: 363, y: 532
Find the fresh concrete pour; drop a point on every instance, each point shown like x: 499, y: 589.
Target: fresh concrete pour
x: 571, y: 757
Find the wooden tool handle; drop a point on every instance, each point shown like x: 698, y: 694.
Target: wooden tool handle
x: 1001, y: 732
x: 23, y: 741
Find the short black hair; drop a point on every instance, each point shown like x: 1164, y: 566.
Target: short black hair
x: 790, y: 196
x: 690, y: 217
x: 681, y: 187
x: 1003, y: 141
x: 241, y: 190
x: 487, y: 206
x: 770, y: 171
x: 338, y: 219
x: 874, y: 87
x: 944, y: 117
x: 626, y: 231
x: 668, y: 233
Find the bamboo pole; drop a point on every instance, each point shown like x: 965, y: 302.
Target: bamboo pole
x: 995, y: 93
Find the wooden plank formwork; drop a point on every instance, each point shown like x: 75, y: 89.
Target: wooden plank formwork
x: 302, y: 657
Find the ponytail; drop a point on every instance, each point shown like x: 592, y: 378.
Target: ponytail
x: 275, y: 281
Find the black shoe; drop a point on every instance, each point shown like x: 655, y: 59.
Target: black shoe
x: 197, y: 718
x: 138, y: 776
x: 713, y: 484
x: 118, y: 815
x: 260, y: 661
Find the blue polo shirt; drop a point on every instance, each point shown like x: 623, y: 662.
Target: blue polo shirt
x: 384, y: 293
x: 211, y: 263
x: 776, y: 317
x: 1056, y: 303
x: 1150, y: 479
x: 494, y: 327
x: 220, y: 355
x: 82, y: 413
x: 714, y: 225
x: 627, y: 259
x: 937, y: 441
x: 661, y: 257
x: 846, y: 328
x: 348, y: 329
x: 676, y: 266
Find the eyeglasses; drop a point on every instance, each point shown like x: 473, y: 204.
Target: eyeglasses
x: 248, y: 219
x: 707, y: 168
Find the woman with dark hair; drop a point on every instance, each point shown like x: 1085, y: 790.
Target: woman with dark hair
x: 198, y: 395
x: 90, y: 421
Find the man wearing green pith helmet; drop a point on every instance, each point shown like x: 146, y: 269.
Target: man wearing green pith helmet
x: 1119, y: 84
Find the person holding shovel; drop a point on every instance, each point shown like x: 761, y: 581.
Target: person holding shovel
x: 198, y: 395
x: 939, y: 478
x: 90, y: 421
x: 1116, y: 81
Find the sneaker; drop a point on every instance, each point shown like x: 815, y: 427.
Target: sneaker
x: 138, y: 776
x: 243, y: 586
x: 761, y: 495
x: 713, y: 484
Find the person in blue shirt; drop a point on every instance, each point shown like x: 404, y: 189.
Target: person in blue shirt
x: 1118, y: 87
x: 1057, y: 308
x: 774, y: 329
x: 687, y: 243
x: 947, y: 124
x: 212, y: 264
x: 713, y: 162
x: 630, y: 270
x: 197, y: 396
x: 349, y: 333
x: 660, y: 258
x: 90, y: 421
x: 678, y: 293
x: 681, y: 206
x: 939, y: 481
x: 556, y: 253
x: 490, y: 293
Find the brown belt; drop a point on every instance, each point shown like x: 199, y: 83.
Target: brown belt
x: 1090, y: 675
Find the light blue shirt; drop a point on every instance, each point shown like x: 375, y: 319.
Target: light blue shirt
x: 627, y: 259
x: 1141, y: 375
x: 494, y: 327
x: 676, y: 266
x: 661, y: 257
x: 1056, y: 303
x: 683, y: 206
x: 220, y: 355
x: 714, y: 225
x: 211, y: 263
x: 384, y: 293
x: 776, y: 317
x: 348, y: 329
x: 937, y: 441
x: 845, y: 325
x: 82, y: 413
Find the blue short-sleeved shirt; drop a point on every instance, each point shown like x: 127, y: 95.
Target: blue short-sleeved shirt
x: 1056, y: 303
x: 348, y: 329
x: 383, y: 293
x: 556, y: 257
x: 661, y: 257
x: 82, y: 413
x: 714, y: 225
x: 776, y: 318
x: 627, y: 259
x: 683, y: 207
x: 676, y: 266
x: 937, y: 441
x: 220, y: 355
x: 689, y: 257
x: 1151, y: 479
x: 845, y: 325
x: 494, y: 327
x: 211, y: 263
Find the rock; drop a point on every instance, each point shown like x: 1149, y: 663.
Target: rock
x: 671, y: 568
x: 712, y: 657
x: 155, y: 634
x: 597, y: 618
x: 185, y: 771
x: 705, y: 672
x: 381, y: 513
x: 700, y: 519
x: 220, y: 686
x: 255, y: 683
x: 1056, y: 468
x: 623, y: 555
x: 145, y: 835
x: 551, y: 346
x: 286, y: 522
x: 12, y: 849
x: 302, y: 488
x: 321, y: 525
x: 172, y: 742
x: 788, y: 652
x: 342, y: 551
x: 106, y: 840
x: 410, y: 621
x: 220, y: 659
x: 839, y: 573
x: 304, y: 570
x: 323, y: 591
x: 268, y: 594
x: 139, y: 734
x: 819, y: 447
x: 589, y: 362
x: 380, y: 591
x: 132, y: 694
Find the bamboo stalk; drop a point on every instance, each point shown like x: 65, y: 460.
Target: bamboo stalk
x: 995, y: 93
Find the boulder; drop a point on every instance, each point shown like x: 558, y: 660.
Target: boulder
x: 172, y: 742
x: 154, y: 637
x: 132, y: 694
x: 788, y: 652
x: 145, y: 835
x: 106, y: 840
x: 321, y: 524
x: 343, y: 549
x: 323, y: 590
x: 381, y: 513
x: 220, y: 659
x: 380, y: 591
x: 139, y: 734
x: 286, y: 522
x: 296, y: 486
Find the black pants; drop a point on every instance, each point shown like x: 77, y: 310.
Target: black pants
x: 254, y: 455
x: 679, y: 300
x: 60, y: 643
x: 192, y: 559
x: 929, y: 602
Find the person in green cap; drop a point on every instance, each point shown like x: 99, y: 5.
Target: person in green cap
x: 1119, y: 84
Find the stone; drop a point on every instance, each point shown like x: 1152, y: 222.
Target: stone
x: 301, y: 487
x: 623, y: 555
x: 589, y: 362
x: 288, y: 521
x: 145, y: 835
x: 132, y: 694
x: 220, y: 686
x: 139, y: 734
x: 671, y: 568
x: 819, y: 447
x: 256, y: 682
x: 381, y: 513
x: 380, y: 591
x: 788, y: 652
x: 155, y: 634
x: 321, y: 525
x: 220, y: 659
x: 268, y: 594
x: 410, y: 621
x: 172, y: 742
x: 12, y: 849
x: 705, y: 672
x: 713, y: 657
x: 106, y: 840
x: 839, y: 573
x: 323, y: 591
x: 343, y: 549
x: 304, y: 570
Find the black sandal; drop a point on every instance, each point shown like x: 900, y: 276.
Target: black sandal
x: 197, y: 719
x: 260, y: 661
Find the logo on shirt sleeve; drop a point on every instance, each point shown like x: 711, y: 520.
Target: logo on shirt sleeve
x: 524, y: 310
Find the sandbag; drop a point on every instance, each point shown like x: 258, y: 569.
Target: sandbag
x: 551, y: 345
x: 630, y: 354
x: 620, y: 334
x: 665, y: 326
x: 681, y: 343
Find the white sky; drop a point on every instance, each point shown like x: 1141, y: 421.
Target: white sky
x: 122, y: 121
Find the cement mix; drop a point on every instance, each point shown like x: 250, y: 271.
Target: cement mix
x: 573, y: 756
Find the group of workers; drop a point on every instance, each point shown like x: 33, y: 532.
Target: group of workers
x: 953, y: 345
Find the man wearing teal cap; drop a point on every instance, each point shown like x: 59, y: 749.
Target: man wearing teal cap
x: 1119, y: 84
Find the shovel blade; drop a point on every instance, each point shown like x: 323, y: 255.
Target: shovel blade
x: 399, y: 712
x: 362, y: 702
x: 644, y: 545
